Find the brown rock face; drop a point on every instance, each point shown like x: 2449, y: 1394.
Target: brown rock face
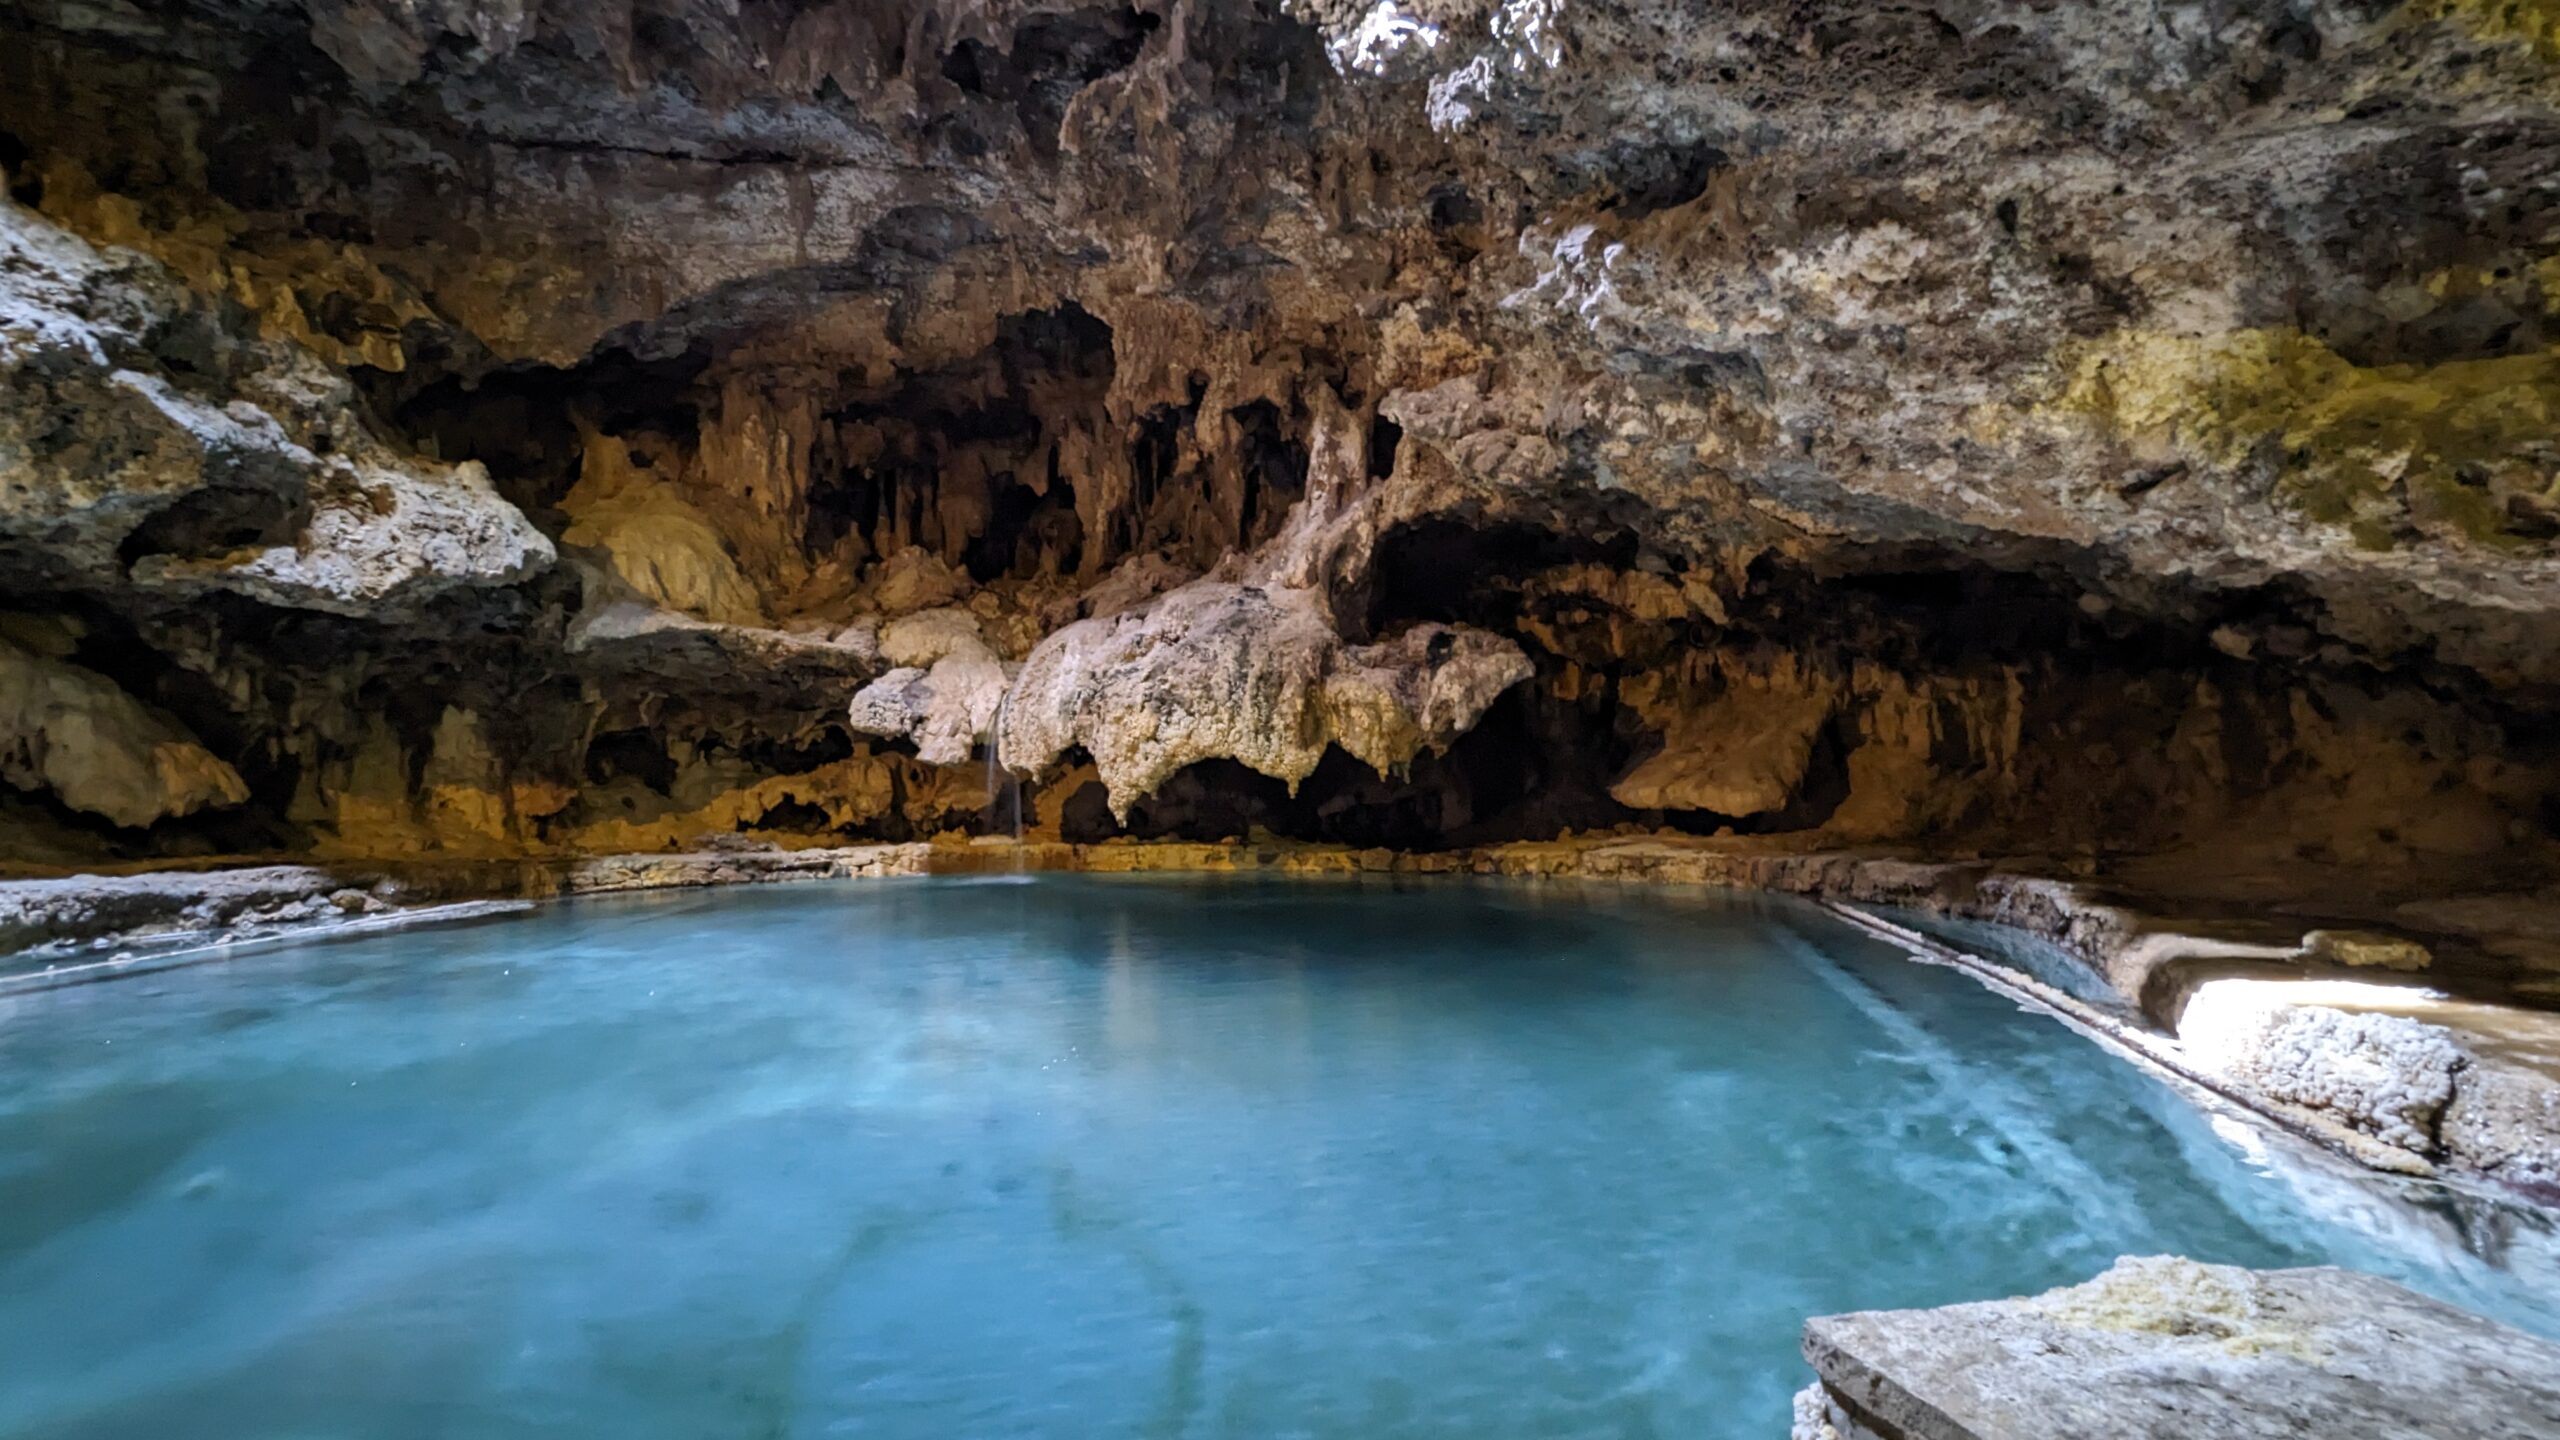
x: 72, y: 733
x: 540, y: 427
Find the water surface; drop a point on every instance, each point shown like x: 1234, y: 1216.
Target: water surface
x: 1082, y: 1157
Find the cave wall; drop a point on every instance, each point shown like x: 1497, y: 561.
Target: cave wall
x: 1992, y: 427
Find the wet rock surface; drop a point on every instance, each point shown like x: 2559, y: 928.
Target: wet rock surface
x: 2168, y: 1347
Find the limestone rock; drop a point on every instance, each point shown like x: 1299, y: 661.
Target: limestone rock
x: 2504, y: 1123
x: 132, y: 420
x: 2162, y: 1348
x: 862, y: 637
x: 1811, y: 1416
x: 70, y: 731
x: 893, y: 706
x: 95, y: 436
x: 2387, y: 1076
x: 1388, y: 702
x: 656, y: 542
x: 1130, y: 584
x: 55, y: 637
x: 913, y: 580
x: 668, y: 652
x: 465, y: 781
x: 946, y: 692
x: 1220, y: 670
x: 381, y: 541
x: 2365, y: 949
x: 1743, y: 752
x: 928, y: 635
x: 716, y: 800
x: 2039, y: 384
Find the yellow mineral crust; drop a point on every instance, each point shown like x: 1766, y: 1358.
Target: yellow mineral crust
x: 626, y: 506
x: 2361, y: 446
x: 280, y: 281
x: 2536, y: 23
x: 74, y: 733
x: 2170, y: 1295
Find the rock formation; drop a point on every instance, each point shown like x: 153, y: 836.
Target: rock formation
x: 2159, y: 1346
x: 2111, y: 434
x: 945, y: 693
x: 71, y: 733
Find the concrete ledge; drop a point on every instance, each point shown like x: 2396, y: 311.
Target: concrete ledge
x: 2169, y: 1349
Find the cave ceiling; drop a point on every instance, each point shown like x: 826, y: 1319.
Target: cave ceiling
x: 550, y: 425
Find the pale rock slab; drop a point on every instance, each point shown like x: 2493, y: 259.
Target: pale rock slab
x: 2163, y: 1348
x: 125, y: 399
x: 2388, y: 1076
x: 383, y: 540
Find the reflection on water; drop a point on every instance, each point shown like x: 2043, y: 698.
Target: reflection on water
x: 1086, y: 1157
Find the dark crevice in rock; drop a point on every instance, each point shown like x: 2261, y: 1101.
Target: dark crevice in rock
x: 1453, y: 571
x: 213, y: 520
x: 1049, y: 59
x: 1655, y: 177
x: 1274, y: 469
x: 636, y: 754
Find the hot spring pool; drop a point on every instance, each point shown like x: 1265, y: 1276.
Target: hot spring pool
x: 1083, y: 1158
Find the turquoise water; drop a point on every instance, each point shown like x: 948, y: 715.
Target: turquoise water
x: 1080, y: 1158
